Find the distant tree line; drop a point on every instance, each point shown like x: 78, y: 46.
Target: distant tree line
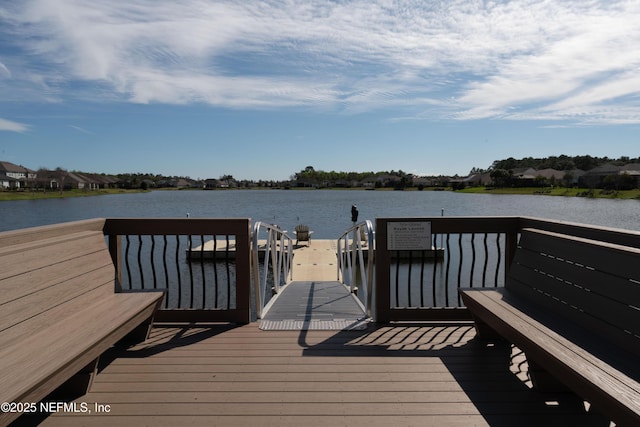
x: 309, y: 176
x: 561, y: 163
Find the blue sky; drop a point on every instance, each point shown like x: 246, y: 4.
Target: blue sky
x: 260, y: 90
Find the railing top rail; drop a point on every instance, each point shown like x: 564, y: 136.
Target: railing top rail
x: 367, y: 224
x: 461, y: 224
x: 161, y: 226
x: 594, y: 232
x: 269, y: 227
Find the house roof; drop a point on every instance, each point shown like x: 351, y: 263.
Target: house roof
x: 631, y: 169
x: 10, y: 167
x: 606, y: 169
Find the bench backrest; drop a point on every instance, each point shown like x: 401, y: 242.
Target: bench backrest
x: 593, y: 283
x: 39, y: 273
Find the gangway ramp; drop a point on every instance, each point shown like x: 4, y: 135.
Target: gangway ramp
x: 314, y: 300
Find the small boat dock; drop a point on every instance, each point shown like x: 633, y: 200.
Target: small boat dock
x: 415, y: 364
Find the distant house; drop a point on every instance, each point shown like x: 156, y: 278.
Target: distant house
x: 7, y: 182
x: 15, y: 176
x: 96, y: 181
x: 573, y: 176
x: 476, y: 179
x: 633, y: 170
x: 551, y: 175
x: 595, y: 177
x: 525, y: 177
x: 387, y: 180
x: 211, y: 183
x: 419, y: 181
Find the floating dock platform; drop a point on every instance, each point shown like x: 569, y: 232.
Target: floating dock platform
x: 221, y: 249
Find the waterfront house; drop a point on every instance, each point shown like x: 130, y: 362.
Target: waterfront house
x: 594, y: 178
x: 16, y: 176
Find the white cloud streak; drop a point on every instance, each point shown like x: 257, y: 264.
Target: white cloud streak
x: 568, y: 60
x: 11, y: 126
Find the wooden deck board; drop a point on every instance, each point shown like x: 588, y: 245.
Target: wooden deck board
x: 385, y: 375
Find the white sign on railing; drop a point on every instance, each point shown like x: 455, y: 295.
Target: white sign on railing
x: 409, y: 236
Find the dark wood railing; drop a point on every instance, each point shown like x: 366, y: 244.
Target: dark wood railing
x: 467, y: 252
x: 169, y: 254
x: 422, y: 284
x: 151, y: 254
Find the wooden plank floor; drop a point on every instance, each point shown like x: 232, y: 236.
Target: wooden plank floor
x: 398, y: 375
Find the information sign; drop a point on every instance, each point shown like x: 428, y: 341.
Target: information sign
x: 409, y: 236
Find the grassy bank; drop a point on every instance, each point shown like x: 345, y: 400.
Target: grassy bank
x: 557, y: 191
x: 36, y: 195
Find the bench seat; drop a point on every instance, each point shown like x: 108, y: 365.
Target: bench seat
x: 571, y: 305
x: 59, y: 312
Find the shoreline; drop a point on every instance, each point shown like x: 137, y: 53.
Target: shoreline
x: 525, y: 191
x: 42, y: 195
x: 558, y: 192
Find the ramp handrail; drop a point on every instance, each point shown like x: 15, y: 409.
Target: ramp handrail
x: 351, y: 247
x: 278, y: 254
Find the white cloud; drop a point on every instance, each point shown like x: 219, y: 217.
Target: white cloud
x: 8, y: 125
x: 4, y: 71
x: 521, y: 59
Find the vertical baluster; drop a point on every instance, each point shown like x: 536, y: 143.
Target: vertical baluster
x: 204, y: 284
x: 422, y: 263
x: 229, y: 272
x: 499, y: 259
x: 473, y: 258
x: 179, y: 273
x: 126, y: 260
x: 397, y: 278
x: 409, y: 279
x: 140, y: 261
x: 166, y: 271
x: 446, y: 276
x: 215, y: 271
x: 433, y: 279
x: 486, y: 260
x: 460, y: 268
x: 153, y: 266
x: 191, y: 284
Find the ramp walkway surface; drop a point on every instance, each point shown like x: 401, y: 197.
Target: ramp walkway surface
x: 315, y: 300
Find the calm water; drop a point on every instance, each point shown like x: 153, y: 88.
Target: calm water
x: 326, y: 212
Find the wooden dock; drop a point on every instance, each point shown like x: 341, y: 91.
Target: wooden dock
x: 400, y: 375
x: 373, y: 375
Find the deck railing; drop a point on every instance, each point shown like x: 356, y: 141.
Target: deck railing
x: 421, y: 262
x: 422, y: 284
x: 202, y: 264
x: 205, y: 265
x: 274, y: 269
x: 355, y: 255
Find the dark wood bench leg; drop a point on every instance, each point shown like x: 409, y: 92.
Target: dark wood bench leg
x: 543, y: 381
x: 78, y: 385
x: 485, y: 332
x: 138, y: 335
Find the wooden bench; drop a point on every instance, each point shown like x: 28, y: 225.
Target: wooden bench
x: 59, y: 311
x: 572, y: 305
